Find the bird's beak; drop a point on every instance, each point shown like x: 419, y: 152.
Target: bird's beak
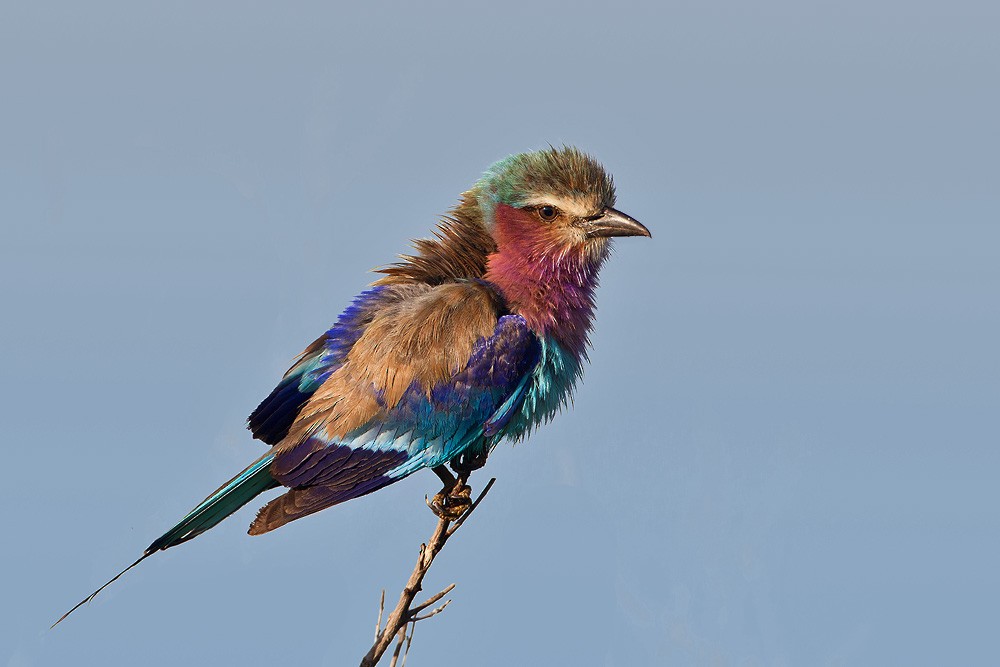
x: 614, y: 223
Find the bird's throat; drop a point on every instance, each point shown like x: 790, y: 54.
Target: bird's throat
x: 544, y: 279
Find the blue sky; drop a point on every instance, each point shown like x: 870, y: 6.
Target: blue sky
x: 784, y: 451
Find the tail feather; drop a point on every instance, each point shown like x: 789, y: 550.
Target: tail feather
x: 94, y: 594
x: 228, y: 498
x: 225, y: 500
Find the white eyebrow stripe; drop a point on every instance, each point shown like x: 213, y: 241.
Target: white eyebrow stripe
x: 570, y: 205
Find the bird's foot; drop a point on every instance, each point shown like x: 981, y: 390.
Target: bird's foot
x: 451, y: 503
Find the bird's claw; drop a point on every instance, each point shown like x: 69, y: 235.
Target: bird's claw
x: 450, y: 504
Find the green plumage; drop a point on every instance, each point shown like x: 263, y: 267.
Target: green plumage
x: 234, y: 494
x: 228, y: 498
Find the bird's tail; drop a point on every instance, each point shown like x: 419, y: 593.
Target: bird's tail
x: 234, y: 494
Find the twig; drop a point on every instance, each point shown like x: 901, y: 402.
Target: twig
x: 409, y: 640
x: 401, y: 639
x: 431, y: 600
x: 381, y: 610
x: 461, y: 519
x: 405, y: 613
x: 434, y: 612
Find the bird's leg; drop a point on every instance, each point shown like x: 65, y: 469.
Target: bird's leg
x: 455, y: 496
x: 465, y: 464
x: 446, y: 477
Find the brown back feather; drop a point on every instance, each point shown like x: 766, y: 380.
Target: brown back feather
x: 458, y: 250
x: 426, y: 337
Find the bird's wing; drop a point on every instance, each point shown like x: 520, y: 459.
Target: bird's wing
x: 430, y: 377
x: 276, y: 413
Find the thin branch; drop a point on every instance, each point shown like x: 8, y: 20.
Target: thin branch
x: 409, y: 640
x: 405, y: 613
x: 472, y: 508
x: 435, y: 612
x: 381, y: 610
x: 399, y: 645
x: 431, y: 600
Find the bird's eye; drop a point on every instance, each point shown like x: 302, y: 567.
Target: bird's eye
x: 547, y: 213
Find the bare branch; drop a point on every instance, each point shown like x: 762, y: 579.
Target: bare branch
x: 381, y: 610
x: 432, y: 613
x: 399, y: 645
x: 431, y: 600
x: 409, y: 640
x: 472, y: 508
x: 405, y: 613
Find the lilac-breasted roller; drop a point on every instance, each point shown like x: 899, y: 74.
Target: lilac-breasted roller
x: 479, y: 336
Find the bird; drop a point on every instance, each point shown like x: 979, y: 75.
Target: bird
x: 479, y: 336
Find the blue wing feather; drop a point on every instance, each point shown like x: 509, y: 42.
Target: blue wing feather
x: 276, y: 413
x: 466, y: 414
x: 430, y: 428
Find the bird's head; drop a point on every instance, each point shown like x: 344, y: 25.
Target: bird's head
x: 537, y: 226
x: 551, y: 216
x: 552, y: 201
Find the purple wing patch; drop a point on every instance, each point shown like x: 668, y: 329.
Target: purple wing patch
x: 321, y: 475
x: 317, y: 463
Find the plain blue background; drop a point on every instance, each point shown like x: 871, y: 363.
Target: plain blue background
x: 785, y: 448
